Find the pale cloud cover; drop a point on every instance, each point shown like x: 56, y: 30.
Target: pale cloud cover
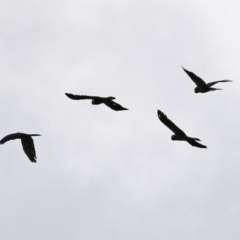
x: 106, y: 175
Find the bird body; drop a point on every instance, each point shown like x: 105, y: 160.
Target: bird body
x: 179, y: 135
x: 108, y: 101
x: 203, y: 87
x: 27, y: 143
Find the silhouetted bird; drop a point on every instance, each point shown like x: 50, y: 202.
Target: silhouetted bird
x: 179, y: 134
x: 203, y: 87
x: 27, y: 143
x: 108, y: 101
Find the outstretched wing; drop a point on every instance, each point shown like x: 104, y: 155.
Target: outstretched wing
x: 12, y: 136
x: 197, y: 80
x: 194, y: 143
x: 167, y: 122
x: 79, y: 97
x: 114, y: 106
x: 212, y: 83
x: 28, y: 148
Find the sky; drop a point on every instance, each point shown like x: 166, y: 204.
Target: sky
x: 107, y: 175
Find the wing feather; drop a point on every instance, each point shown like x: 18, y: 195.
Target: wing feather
x: 79, y: 97
x: 197, y: 80
x: 114, y: 106
x: 12, y: 136
x: 167, y: 122
x: 212, y: 83
x: 28, y: 148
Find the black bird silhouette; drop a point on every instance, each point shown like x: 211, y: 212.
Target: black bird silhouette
x: 203, y: 87
x: 108, y: 101
x: 179, y: 134
x: 27, y: 143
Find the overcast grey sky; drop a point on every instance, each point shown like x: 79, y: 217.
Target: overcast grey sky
x: 106, y: 175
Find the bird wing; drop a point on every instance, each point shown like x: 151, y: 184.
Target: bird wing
x: 212, y: 83
x: 167, y: 122
x: 194, y: 143
x: 198, y: 81
x: 79, y: 97
x: 114, y: 106
x: 28, y: 148
x: 12, y: 136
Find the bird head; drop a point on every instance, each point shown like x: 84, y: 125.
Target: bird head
x: 174, y: 137
x: 96, y: 101
x: 196, y: 90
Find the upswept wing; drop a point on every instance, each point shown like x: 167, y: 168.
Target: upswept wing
x: 28, y: 148
x: 167, y: 122
x: 12, y: 136
x: 114, y: 106
x: 80, y: 97
x: 197, y: 80
x: 212, y: 83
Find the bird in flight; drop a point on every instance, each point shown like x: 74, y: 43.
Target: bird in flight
x: 203, y: 87
x: 179, y: 134
x: 27, y: 143
x: 108, y: 101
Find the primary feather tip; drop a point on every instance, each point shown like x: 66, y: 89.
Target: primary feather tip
x: 160, y: 114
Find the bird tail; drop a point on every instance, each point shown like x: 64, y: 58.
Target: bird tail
x: 213, y: 89
x: 194, y: 143
x: 196, y: 139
